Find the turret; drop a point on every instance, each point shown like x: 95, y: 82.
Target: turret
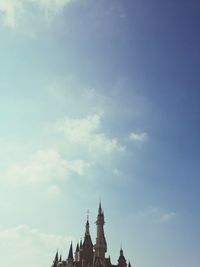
x: 122, y: 260
x: 70, y: 258
x: 101, y: 245
x: 81, y: 244
x: 87, y: 243
x: 87, y: 255
x: 76, y: 255
x: 87, y: 247
x: 55, y: 262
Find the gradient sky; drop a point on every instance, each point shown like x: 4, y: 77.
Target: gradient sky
x: 100, y: 99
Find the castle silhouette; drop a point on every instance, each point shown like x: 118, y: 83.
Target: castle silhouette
x: 89, y: 255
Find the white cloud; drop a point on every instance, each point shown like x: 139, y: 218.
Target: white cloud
x: 54, y: 190
x: 9, y: 11
x: 85, y: 133
x: 138, y: 137
x: 27, y: 245
x: 117, y: 172
x: 44, y: 166
x: 167, y: 216
x: 78, y: 146
x: 15, y: 12
x: 68, y: 92
x: 157, y: 215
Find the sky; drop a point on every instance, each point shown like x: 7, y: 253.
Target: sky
x: 100, y: 100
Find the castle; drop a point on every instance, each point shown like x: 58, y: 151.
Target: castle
x: 89, y: 255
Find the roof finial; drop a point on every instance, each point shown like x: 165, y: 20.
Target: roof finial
x: 88, y: 213
x: 100, y: 209
x: 87, y: 230
x: 121, y: 251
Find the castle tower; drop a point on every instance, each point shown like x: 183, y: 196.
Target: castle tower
x: 122, y: 260
x: 87, y: 247
x: 87, y: 255
x: 55, y: 262
x: 60, y: 259
x: 101, y: 245
x: 76, y: 257
x: 70, y: 258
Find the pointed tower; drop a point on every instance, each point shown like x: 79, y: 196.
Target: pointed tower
x: 87, y: 243
x: 55, y: 262
x: 60, y: 259
x: 87, y: 247
x: 87, y: 255
x: 76, y: 255
x: 70, y: 258
x: 101, y: 245
x: 122, y: 260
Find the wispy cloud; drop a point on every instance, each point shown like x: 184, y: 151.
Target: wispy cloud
x: 54, y: 190
x: 69, y: 92
x: 14, y: 13
x: 157, y: 215
x: 165, y: 217
x: 25, y: 243
x: 86, y: 133
x: 117, y: 172
x: 138, y: 137
x: 44, y: 166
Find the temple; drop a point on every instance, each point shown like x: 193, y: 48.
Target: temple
x: 87, y: 254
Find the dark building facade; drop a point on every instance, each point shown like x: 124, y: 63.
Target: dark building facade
x: 89, y: 255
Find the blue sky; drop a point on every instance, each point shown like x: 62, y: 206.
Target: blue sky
x: 100, y: 99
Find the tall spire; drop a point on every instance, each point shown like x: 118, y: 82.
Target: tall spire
x: 87, y: 227
x: 87, y: 253
x: 122, y: 260
x: 87, y: 239
x: 77, y: 252
x: 55, y: 260
x: 100, y: 209
x: 101, y: 245
x: 121, y: 252
x: 56, y: 257
x: 77, y: 247
x: 70, y: 255
x: 81, y: 244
